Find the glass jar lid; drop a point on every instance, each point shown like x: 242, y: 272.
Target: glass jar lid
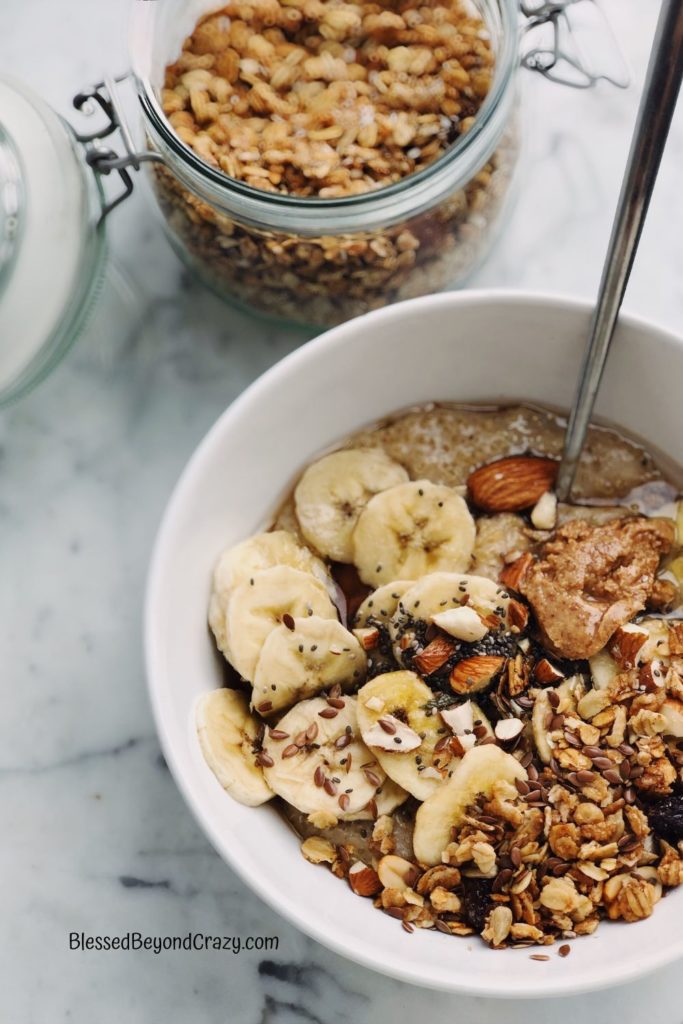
x: 51, y: 250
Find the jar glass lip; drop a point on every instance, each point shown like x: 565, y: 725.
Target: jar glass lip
x: 505, y: 67
x: 49, y: 207
x: 12, y: 204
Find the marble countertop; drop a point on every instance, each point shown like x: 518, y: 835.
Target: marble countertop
x: 96, y: 837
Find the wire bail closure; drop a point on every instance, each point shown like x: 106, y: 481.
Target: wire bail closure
x: 105, y: 97
x: 558, y: 53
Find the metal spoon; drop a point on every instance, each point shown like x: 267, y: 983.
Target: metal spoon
x: 657, y: 105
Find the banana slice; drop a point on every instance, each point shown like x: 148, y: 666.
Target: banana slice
x: 672, y: 710
x: 603, y: 669
x: 476, y: 774
x: 321, y: 763
x: 440, y: 592
x: 333, y: 492
x: 303, y: 657
x: 375, y: 613
x: 258, y: 606
x: 412, y: 529
x: 226, y: 734
x: 380, y: 605
x: 387, y: 707
x: 238, y: 564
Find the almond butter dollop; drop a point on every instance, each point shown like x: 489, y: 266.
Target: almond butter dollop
x: 591, y: 579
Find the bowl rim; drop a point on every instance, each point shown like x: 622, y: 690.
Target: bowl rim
x: 648, y: 960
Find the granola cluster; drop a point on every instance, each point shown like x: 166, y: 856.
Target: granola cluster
x: 328, y: 100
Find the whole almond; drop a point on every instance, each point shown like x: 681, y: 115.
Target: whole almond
x: 511, y: 484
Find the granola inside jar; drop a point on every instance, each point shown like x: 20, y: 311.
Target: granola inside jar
x: 324, y: 159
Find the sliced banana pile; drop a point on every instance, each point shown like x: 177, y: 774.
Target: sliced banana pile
x: 259, y: 605
x: 273, y: 611
x: 228, y: 736
x: 317, y: 762
x: 238, y: 564
x: 411, y: 740
x: 359, y: 506
x: 475, y: 776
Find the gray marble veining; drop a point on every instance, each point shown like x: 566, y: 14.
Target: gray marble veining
x: 96, y: 837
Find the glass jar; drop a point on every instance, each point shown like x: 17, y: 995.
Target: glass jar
x: 321, y: 261
x: 53, y: 251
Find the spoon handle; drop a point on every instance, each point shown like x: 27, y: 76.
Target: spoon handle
x: 657, y: 105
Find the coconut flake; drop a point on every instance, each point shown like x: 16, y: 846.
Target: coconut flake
x: 459, y: 719
x: 508, y: 729
x: 462, y: 623
x: 393, y: 736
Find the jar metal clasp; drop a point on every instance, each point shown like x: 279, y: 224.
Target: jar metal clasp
x: 105, y: 97
x: 563, y: 36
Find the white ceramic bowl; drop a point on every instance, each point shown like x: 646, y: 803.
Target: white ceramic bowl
x: 469, y: 346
